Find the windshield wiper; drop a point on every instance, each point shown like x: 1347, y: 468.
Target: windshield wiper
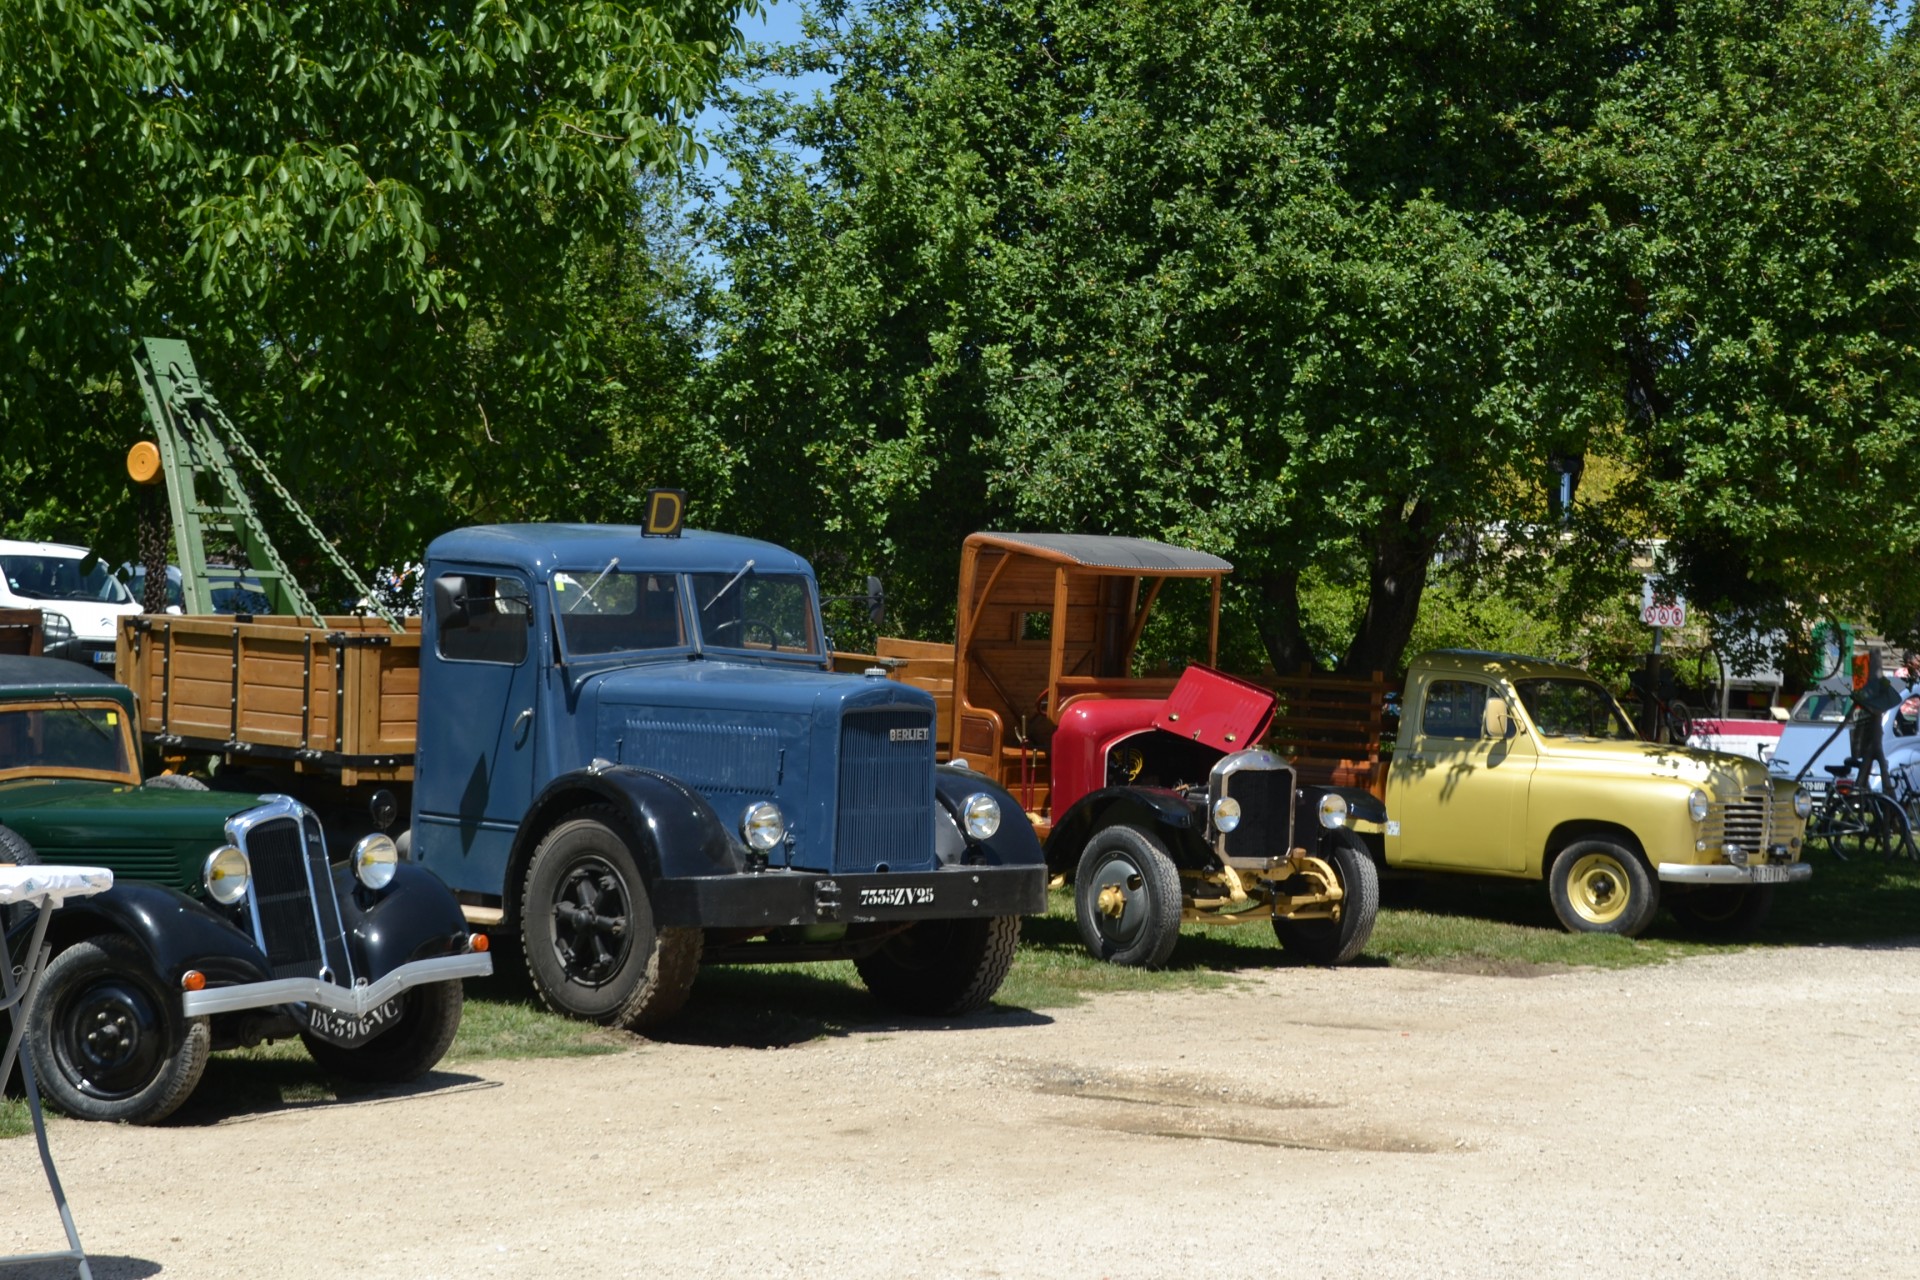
x: 586, y: 592
x: 85, y: 719
x: 730, y: 581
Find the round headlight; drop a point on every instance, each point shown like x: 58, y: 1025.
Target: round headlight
x: 1802, y: 802
x: 1697, y: 804
x: 763, y: 825
x: 1333, y: 812
x: 1226, y: 814
x: 982, y: 815
x: 228, y: 874
x: 374, y: 860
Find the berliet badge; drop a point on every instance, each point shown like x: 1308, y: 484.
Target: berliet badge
x: 907, y: 735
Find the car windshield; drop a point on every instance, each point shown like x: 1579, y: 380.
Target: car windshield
x: 759, y: 612
x: 74, y: 739
x: 613, y: 612
x: 1574, y: 709
x: 60, y: 578
x: 1822, y: 708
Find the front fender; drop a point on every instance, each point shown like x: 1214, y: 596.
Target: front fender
x: 173, y: 931
x: 1014, y: 844
x: 1362, y: 806
x: 1142, y: 806
x: 416, y: 917
x: 680, y: 833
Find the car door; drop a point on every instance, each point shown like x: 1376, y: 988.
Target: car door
x: 474, y: 767
x: 1457, y: 789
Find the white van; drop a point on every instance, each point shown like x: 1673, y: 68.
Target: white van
x: 81, y: 603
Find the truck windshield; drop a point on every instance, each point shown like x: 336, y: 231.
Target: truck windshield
x: 613, y: 612
x: 60, y: 578
x: 1822, y: 708
x: 85, y: 740
x: 1574, y: 709
x: 763, y: 612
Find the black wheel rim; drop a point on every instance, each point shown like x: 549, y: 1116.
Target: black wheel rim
x: 112, y: 1039
x: 592, y: 922
x: 1117, y: 897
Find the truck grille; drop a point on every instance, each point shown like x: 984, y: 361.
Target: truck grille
x: 296, y: 920
x: 885, y: 815
x: 1266, y: 814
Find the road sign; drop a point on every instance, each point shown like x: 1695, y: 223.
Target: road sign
x: 1666, y: 611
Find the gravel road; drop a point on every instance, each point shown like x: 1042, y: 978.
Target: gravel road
x: 1750, y: 1114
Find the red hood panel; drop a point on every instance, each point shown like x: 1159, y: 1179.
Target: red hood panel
x: 1222, y: 711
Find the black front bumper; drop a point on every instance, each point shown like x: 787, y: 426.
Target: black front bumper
x: 771, y: 899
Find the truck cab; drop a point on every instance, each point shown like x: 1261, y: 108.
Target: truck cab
x: 633, y: 748
x: 1512, y: 766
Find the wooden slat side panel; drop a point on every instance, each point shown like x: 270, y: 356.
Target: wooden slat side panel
x: 1332, y: 727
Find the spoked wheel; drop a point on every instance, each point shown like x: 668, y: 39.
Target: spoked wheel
x: 1886, y: 830
x: 1599, y: 887
x: 592, y: 949
x: 1126, y: 897
x: 1835, y: 824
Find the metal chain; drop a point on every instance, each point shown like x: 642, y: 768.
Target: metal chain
x: 153, y: 536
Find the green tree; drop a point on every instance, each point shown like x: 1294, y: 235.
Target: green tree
x: 374, y: 222
x: 1322, y: 288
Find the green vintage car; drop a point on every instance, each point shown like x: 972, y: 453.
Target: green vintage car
x: 227, y: 923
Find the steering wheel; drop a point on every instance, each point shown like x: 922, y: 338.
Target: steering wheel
x: 748, y: 626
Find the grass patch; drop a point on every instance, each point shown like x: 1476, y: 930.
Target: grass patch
x: 15, y: 1122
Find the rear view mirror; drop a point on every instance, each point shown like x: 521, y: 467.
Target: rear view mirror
x: 450, y: 601
x: 876, y: 601
x: 1497, y: 720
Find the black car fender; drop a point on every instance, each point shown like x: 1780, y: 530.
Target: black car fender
x: 1014, y: 844
x: 678, y: 833
x: 1149, y: 807
x: 415, y: 917
x: 1362, y: 806
x: 174, y: 932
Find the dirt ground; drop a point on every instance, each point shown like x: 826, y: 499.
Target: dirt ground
x: 1749, y: 1114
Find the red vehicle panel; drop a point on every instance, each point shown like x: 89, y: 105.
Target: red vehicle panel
x: 1222, y: 711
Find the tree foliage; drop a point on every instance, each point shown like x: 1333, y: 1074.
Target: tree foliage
x: 374, y: 221
x: 1323, y: 288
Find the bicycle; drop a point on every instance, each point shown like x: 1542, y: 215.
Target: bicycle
x: 1871, y: 820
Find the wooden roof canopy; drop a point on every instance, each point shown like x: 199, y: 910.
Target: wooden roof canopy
x: 1097, y: 592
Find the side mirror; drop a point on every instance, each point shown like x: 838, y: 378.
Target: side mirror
x: 450, y: 601
x: 876, y: 601
x: 1497, y: 720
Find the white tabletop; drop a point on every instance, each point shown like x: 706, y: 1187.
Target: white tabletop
x: 55, y: 884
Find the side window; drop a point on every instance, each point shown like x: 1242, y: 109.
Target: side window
x: 494, y: 625
x: 1454, y: 709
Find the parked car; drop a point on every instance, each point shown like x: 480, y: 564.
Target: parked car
x: 227, y: 923
x: 1817, y: 738
x: 80, y: 600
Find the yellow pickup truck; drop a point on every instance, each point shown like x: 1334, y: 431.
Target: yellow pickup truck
x: 1518, y: 767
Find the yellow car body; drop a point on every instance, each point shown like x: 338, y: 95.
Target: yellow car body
x: 1503, y: 764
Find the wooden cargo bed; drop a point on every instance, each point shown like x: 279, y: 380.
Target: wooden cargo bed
x: 337, y: 699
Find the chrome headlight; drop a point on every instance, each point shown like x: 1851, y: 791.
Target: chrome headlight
x: 1697, y: 804
x: 228, y: 873
x: 763, y: 825
x: 1802, y: 802
x: 981, y: 813
x: 374, y: 860
x: 1226, y: 814
x: 1333, y: 812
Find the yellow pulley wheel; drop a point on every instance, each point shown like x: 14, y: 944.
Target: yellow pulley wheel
x: 143, y: 462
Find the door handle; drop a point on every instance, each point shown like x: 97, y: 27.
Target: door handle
x: 521, y: 720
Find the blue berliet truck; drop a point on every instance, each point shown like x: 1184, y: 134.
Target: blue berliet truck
x: 632, y: 751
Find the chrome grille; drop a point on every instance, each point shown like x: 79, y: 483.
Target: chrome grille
x: 885, y: 809
x: 1266, y: 813
x: 296, y: 920
x: 1748, y: 824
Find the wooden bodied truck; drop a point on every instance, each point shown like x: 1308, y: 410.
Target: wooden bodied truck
x: 1153, y: 792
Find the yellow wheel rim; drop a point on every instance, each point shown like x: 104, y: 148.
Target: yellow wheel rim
x: 1598, y: 888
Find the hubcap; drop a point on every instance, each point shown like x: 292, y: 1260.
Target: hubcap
x: 1598, y: 888
x: 112, y: 1040
x: 591, y: 922
x: 1119, y: 899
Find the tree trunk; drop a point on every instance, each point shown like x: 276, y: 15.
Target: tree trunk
x: 1279, y: 614
x: 1403, y: 547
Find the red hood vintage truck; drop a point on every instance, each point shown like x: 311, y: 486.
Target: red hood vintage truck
x: 1150, y: 791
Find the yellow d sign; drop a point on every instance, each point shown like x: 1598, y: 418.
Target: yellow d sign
x: 666, y: 508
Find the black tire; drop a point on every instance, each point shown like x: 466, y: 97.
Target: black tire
x: 175, y: 782
x: 1598, y: 886
x: 941, y: 968
x: 1722, y: 910
x: 1331, y: 942
x: 1126, y: 897
x: 429, y: 1018
x: 107, y: 1036
x: 592, y: 949
x: 15, y: 849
